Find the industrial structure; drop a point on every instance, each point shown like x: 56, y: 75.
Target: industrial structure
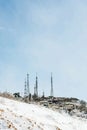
x: 28, y: 89
x: 25, y: 89
x: 51, y: 93
x: 35, y: 95
x: 36, y: 87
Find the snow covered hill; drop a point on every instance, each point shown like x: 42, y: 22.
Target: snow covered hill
x: 21, y: 116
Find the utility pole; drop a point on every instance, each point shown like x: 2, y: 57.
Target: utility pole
x: 51, y: 94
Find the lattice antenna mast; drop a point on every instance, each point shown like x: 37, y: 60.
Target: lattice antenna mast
x: 25, y: 89
x: 36, y: 85
x: 28, y: 90
x: 51, y: 86
x: 34, y: 90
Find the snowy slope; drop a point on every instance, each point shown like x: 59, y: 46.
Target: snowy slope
x: 21, y: 116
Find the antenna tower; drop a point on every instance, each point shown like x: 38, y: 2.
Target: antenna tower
x: 36, y: 85
x: 28, y: 90
x: 51, y: 86
x: 25, y: 89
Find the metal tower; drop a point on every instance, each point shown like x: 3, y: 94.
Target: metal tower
x: 51, y: 94
x: 36, y: 85
x: 28, y: 90
x: 34, y: 90
x: 25, y: 89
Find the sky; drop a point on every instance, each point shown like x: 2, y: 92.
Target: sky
x: 44, y: 36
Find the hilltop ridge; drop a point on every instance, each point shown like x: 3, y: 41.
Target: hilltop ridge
x: 15, y: 115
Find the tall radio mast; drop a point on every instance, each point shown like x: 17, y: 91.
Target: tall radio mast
x: 28, y: 90
x: 51, y: 94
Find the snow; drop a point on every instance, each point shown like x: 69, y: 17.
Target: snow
x: 22, y: 116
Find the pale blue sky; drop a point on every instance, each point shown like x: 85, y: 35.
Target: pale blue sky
x: 44, y: 36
